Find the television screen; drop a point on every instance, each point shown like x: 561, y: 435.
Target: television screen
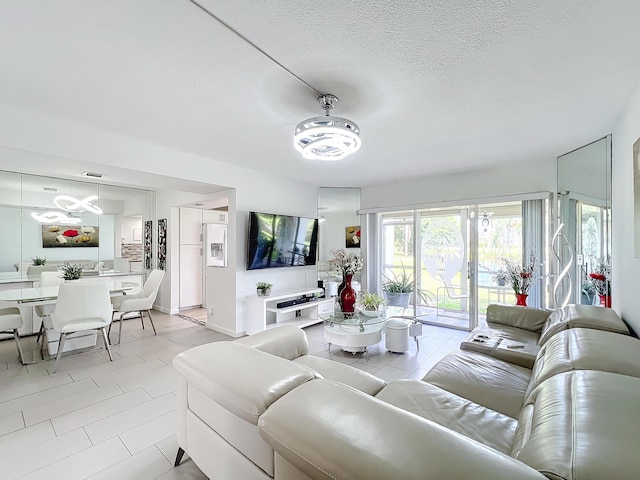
x: 281, y: 241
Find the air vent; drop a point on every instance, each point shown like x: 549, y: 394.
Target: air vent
x: 93, y: 174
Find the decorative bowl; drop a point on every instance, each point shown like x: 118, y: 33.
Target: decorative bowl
x: 370, y: 313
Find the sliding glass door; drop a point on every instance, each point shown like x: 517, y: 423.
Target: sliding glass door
x: 452, y: 258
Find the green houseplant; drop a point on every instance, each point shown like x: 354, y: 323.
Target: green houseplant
x: 38, y: 262
x: 71, y: 271
x: 370, y: 303
x: 263, y: 289
x: 397, y: 289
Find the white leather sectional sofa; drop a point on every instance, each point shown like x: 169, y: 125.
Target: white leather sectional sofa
x: 261, y: 407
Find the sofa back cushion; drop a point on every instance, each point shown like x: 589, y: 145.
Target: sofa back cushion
x: 582, y: 425
x: 582, y: 316
x: 286, y: 341
x: 526, y: 318
x: 586, y: 349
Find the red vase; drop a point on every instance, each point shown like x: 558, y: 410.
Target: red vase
x: 605, y: 300
x: 521, y: 299
x: 348, y: 296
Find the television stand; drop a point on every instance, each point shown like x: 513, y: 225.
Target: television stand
x: 263, y: 312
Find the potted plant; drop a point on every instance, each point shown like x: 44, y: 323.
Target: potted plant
x: 397, y: 290
x: 71, y: 272
x: 370, y: 303
x: 263, y: 289
x: 38, y: 262
x: 500, y: 277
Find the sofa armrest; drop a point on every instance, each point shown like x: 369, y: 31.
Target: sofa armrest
x: 526, y: 318
x: 328, y: 431
x: 286, y: 341
x: 242, y: 379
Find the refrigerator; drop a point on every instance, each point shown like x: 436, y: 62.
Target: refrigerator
x: 215, y: 244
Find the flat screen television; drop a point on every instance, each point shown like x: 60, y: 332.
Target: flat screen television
x: 281, y: 241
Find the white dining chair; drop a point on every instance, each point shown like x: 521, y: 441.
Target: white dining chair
x: 11, y: 321
x: 47, y: 279
x: 141, y: 302
x: 80, y: 307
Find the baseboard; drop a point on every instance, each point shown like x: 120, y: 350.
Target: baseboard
x: 168, y: 311
x: 226, y: 331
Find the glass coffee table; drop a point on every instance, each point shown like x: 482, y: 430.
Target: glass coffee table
x: 354, y: 332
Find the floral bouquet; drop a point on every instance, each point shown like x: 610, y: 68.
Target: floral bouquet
x: 521, y: 277
x: 600, y: 278
x: 346, y: 263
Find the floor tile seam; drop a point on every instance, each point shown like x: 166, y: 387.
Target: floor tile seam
x: 137, y: 373
x: 160, y: 450
x: 98, y: 373
x: 100, y: 419
x: 135, y: 406
x: 36, y: 391
x: 148, y: 421
x: 87, y: 405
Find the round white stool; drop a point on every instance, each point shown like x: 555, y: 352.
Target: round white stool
x: 397, y: 335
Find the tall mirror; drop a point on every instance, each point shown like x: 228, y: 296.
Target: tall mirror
x: 584, y: 204
x: 339, y: 227
x: 49, y: 221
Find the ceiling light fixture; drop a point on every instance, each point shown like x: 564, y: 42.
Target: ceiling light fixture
x: 71, y: 204
x: 318, y: 138
x: 327, y: 137
x: 56, y: 217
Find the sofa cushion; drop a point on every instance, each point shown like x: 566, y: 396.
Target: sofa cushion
x: 327, y: 430
x: 480, y: 423
x: 586, y: 349
x: 582, y: 425
x: 242, y: 379
x: 489, y: 381
x: 525, y: 318
x: 354, y: 377
x: 286, y: 341
x: 582, y: 316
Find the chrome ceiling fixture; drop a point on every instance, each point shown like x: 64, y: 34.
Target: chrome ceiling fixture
x: 327, y: 137
x: 318, y: 138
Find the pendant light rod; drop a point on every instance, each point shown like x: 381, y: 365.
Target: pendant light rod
x: 256, y: 47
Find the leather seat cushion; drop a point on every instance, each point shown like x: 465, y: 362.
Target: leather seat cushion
x: 488, y: 381
x: 582, y: 425
x: 354, y: 377
x: 463, y: 416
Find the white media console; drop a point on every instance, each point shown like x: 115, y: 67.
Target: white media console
x: 262, y: 312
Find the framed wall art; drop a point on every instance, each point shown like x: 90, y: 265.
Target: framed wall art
x: 148, y: 240
x: 60, y: 236
x: 162, y: 243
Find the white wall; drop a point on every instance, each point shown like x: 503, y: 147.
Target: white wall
x: 624, y: 264
x: 536, y: 175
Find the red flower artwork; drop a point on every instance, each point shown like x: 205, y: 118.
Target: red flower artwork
x: 71, y: 233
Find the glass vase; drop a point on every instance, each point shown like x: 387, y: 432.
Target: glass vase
x: 348, y: 296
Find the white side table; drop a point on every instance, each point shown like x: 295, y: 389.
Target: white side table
x: 354, y: 332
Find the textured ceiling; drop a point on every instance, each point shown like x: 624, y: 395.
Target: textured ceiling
x: 435, y: 86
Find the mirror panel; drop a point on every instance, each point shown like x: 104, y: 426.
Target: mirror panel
x: 339, y: 224
x: 93, y: 239
x: 584, y: 207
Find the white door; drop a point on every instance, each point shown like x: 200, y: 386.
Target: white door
x: 190, y: 257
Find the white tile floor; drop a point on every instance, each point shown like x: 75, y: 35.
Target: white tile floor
x: 115, y: 420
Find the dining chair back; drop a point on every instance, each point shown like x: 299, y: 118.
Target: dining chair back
x: 11, y: 321
x: 81, y: 306
x: 47, y: 279
x: 141, y: 302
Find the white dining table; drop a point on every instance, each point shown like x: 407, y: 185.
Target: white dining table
x: 26, y: 297
x: 48, y: 295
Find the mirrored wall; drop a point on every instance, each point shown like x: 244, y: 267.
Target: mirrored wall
x: 584, y: 207
x: 57, y: 220
x: 339, y: 227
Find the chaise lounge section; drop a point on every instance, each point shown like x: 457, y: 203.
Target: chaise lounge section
x: 261, y: 407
